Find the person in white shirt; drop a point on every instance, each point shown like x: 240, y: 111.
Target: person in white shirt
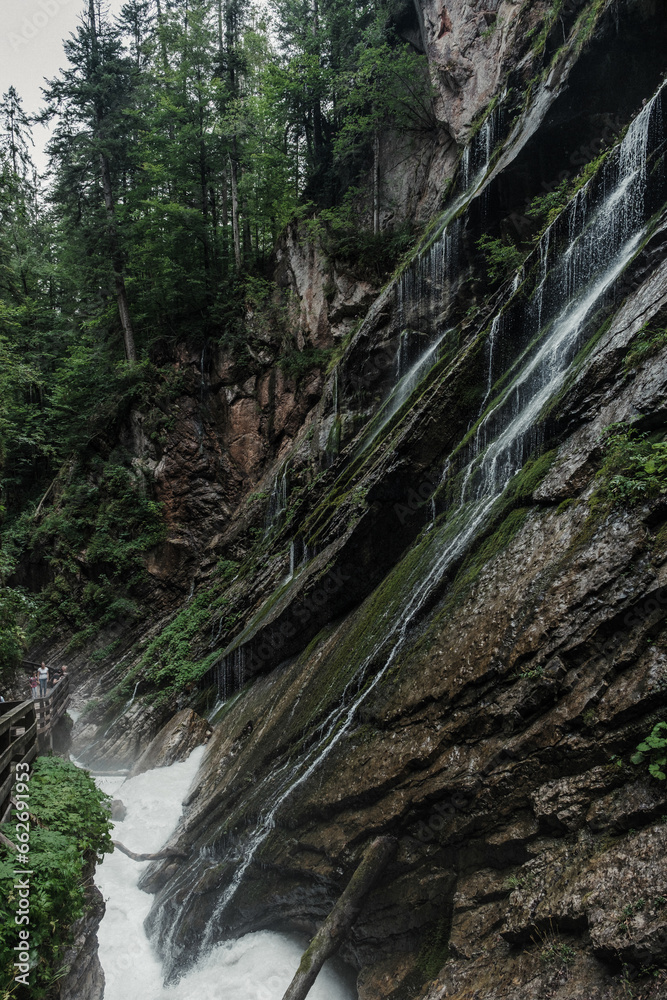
x: 43, y: 674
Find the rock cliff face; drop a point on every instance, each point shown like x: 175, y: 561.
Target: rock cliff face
x: 174, y: 742
x: 447, y: 618
x: 84, y: 976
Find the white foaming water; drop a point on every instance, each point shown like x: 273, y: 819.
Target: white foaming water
x: 257, y: 966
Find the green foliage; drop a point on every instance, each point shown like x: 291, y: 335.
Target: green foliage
x: 502, y: 258
x: 180, y: 655
x: 66, y: 800
x: 296, y: 364
x: 633, y: 469
x: 493, y: 27
x: 74, y: 818
x: 545, y: 208
x: 654, y: 749
x: 368, y: 255
x: 558, y: 953
x: 647, y: 343
x: 529, y: 675
x: 92, y: 538
x: 14, y: 606
x: 435, y: 950
x: 226, y: 569
x: 390, y: 91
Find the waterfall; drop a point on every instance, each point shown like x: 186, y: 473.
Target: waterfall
x: 494, y: 335
x: 277, y: 500
x: 426, y: 285
x: 230, y: 673
x: 579, y: 259
x: 334, y: 392
x: 256, y: 965
x: 602, y: 235
x: 407, y: 381
x: 131, y: 701
x: 476, y: 157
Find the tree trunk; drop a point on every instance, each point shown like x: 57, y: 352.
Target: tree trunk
x: 331, y: 935
x: 225, y: 208
x: 203, y: 181
x: 117, y: 262
x: 235, y: 210
x: 247, y: 238
x: 116, y: 255
x: 376, y: 183
x: 167, y: 852
x: 163, y: 44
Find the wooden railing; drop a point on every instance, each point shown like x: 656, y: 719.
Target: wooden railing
x: 25, y: 728
x: 18, y: 744
x: 53, y: 707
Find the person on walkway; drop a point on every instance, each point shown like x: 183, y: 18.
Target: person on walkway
x: 34, y: 685
x: 43, y: 674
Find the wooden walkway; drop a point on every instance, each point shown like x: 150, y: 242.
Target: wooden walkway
x: 26, y: 727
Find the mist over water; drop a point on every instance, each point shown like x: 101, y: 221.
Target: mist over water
x: 257, y: 966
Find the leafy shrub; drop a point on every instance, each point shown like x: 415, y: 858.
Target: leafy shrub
x: 647, y: 343
x: 368, y: 255
x: 74, y: 818
x: 93, y: 538
x: 181, y: 654
x: 13, y: 608
x: 502, y: 259
x: 65, y: 799
x: 546, y: 207
x: 654, y: 749
x: 296, y: 364
x: 634, y: 468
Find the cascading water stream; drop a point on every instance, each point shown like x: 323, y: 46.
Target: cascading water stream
x: 477, y: 155
x: 277, y: 500
x: 405, y: 385
x: 134, y: 694
x: 230, y: 673
x: 603, y: 237
x: 422, y: 288
x: 257, y: 965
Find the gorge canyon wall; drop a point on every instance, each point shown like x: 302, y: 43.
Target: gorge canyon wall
x: 429, y: 600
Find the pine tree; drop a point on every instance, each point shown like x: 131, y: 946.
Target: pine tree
x: 89, y: 147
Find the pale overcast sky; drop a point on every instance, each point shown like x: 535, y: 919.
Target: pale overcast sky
x: 31, y: 49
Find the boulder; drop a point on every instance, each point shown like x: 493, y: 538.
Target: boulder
x: 175, y: 741
x: 118, y: 811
